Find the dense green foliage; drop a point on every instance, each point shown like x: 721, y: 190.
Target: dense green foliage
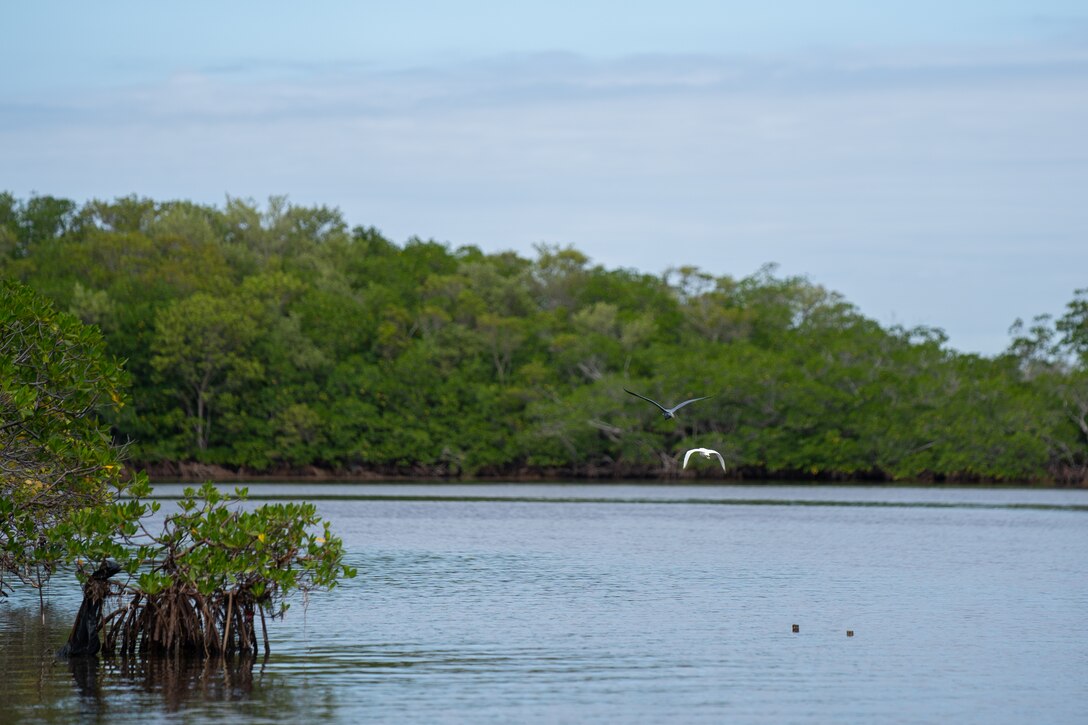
x: 277, y: 339
x: 195, y: 585
x: 56, y: 457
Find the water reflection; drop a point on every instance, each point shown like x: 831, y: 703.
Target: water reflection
x: 31, y: 682
x: 41, y: 687
x: 176, y: 681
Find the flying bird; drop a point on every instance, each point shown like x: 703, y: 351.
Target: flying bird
x: 669, y: 412
x: 706, y: 453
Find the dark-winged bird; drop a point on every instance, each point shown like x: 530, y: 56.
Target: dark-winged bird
x: 668, y: 412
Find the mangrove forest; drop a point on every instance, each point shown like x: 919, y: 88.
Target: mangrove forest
x: 275, y: 339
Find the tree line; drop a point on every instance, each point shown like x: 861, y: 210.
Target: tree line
x: 275, y: 338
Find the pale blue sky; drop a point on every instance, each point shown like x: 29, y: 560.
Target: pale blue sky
x: 926, y: 159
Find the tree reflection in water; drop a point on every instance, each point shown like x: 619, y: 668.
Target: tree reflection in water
x: 39, y: 687
x: 179, y: 681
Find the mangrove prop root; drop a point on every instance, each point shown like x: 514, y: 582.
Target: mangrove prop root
x: 264, y: 630
x: 184, y: 621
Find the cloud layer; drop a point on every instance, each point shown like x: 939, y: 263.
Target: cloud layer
x: 938, y: 187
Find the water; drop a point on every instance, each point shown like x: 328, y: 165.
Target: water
x: 527, y: 603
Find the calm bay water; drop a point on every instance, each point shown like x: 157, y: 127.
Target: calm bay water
x: 575, y: 603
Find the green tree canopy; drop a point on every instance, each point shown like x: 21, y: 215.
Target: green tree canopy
x: 271, y: 339
x: 56, y: 454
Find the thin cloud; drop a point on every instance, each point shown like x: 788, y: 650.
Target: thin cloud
x: 863, y: 170
x: 261, y: 90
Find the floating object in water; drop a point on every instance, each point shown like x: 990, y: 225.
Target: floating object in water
x: 668, y: 412
x: 705, y: 453
x: 849, y: 633
x: 796, y: 628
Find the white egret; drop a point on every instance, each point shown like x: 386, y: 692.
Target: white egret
x: 705, y: 453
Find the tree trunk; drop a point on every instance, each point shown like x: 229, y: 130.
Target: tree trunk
x: 84, y: 641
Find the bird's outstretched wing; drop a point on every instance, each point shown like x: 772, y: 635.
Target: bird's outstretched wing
x: 720, y: 459
x: 681, y: 405
x: 687, y: 456
x: 659, y: 405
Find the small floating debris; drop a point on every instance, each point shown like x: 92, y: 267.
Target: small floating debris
x: 849, y: 633
x: 796, y: 628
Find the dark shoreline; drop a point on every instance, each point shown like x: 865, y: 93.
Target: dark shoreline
x: 190, y: 471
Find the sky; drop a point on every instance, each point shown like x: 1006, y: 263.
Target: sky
x: 928, y: 160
